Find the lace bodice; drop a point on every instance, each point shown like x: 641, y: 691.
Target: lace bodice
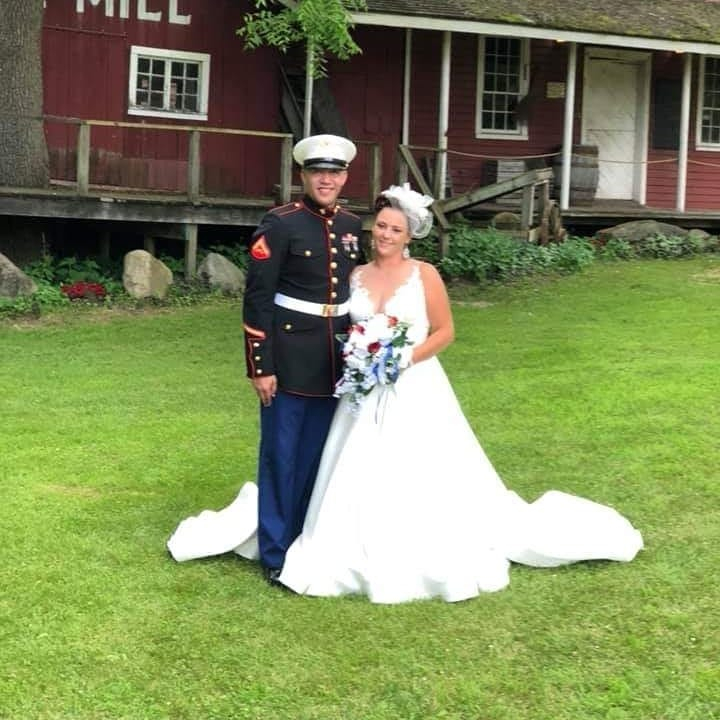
x: 407, y: 303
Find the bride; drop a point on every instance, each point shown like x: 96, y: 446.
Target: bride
x: 406, y: 505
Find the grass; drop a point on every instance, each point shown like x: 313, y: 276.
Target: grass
x: 116, y: 426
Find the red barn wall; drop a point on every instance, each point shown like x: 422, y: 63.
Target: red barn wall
x: 86, y: 59
x: 368, y: 92
x: 86, y: 69
x: 369, y: 88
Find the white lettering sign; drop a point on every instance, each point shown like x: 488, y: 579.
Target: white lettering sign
x: 174, y: 15
x: 143, y: 14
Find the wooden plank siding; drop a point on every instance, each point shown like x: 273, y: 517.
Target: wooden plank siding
x: 86, y: 74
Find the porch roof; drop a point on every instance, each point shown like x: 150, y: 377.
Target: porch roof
x: 686, y: 25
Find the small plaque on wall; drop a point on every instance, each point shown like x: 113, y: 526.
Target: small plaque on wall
x: 555, y: 90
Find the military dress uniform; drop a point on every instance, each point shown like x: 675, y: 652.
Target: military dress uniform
x: 296, y: 303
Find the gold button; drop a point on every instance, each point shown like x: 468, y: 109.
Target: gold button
x: 308, y: 253
x: 329, y: 223
x: 332, y: 236
x: 257, y: 357
x: 333, y: 250
x: 333, y: 295
x: 353, y: 255
x: 333, y: 264
x: 256, y: 344
x: 322, y: 211
x: 258, y: 371
x: 288, y: 326
x: 334, y: 280
x: 297, y: 204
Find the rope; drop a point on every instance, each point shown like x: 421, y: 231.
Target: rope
x: 555, y: 154
x: 484, y: 157
x: 706, y: 164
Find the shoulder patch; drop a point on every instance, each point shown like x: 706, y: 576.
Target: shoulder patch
x: 260, y: 249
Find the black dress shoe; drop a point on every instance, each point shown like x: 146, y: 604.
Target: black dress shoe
x: 272, y: 576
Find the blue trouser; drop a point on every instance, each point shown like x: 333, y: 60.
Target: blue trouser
x: 292, y: 435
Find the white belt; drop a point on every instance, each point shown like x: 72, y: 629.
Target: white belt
x: 311, y: 308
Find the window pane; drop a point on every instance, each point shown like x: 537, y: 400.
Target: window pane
x: 710, y: 111
x: 169, y: 84
x: 502, y: 67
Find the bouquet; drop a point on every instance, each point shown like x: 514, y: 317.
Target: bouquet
x: 374, y: 351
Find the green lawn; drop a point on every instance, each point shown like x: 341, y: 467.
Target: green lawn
x: 116, y: 425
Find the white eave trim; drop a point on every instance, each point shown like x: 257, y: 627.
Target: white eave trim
x: 417, y: 22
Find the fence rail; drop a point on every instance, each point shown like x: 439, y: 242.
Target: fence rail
x: 194, y: 191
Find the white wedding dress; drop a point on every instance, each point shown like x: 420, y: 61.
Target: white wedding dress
x: 406, y: 504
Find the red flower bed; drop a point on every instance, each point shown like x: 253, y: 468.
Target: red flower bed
x: 84, y: 290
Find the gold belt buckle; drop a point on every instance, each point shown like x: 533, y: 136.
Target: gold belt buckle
x: 328, y: 311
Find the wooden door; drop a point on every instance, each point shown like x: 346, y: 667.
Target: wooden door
x: 614, y: 118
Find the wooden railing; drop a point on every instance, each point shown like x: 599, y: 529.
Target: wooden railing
x: 282, y: 190
x: 194, y: 146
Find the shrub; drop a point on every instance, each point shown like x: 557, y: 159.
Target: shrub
x: 47, y: 297
x: 427, y: 249
x: 659, y: 245
x: 488, y: 255
x: 572, y: 255
x: 83, y: 290
x: 616, y: 249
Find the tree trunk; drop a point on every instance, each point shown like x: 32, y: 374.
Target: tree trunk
x: 24, y: 156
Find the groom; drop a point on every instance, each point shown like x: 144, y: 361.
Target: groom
x: 296, y: 301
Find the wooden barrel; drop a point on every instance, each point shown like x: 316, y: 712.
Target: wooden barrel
x: 583, y: 174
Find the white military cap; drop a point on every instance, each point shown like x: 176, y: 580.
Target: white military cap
x: 324, y: 151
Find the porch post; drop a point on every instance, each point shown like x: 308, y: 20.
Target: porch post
x: 568, y: 126
x: 191, y: 239
x: 443, y: 116
x: 307, y: 118
x: 681, y: 190
x: 405, y: 132
x: 82, y: 175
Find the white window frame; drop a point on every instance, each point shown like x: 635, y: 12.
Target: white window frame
x: 202, y: 59
x: 521, y: 132
x: 699, y: 143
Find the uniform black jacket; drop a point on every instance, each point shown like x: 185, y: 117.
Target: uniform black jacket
x: 307, y: 253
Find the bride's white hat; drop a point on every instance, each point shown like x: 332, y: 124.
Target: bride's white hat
x: 413, y: 204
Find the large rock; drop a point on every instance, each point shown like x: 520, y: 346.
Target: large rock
x: 636, y: 231
x: 221, y: 274
x: 13, y: 281
x: 145, y: 276
x: 506, y: 220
